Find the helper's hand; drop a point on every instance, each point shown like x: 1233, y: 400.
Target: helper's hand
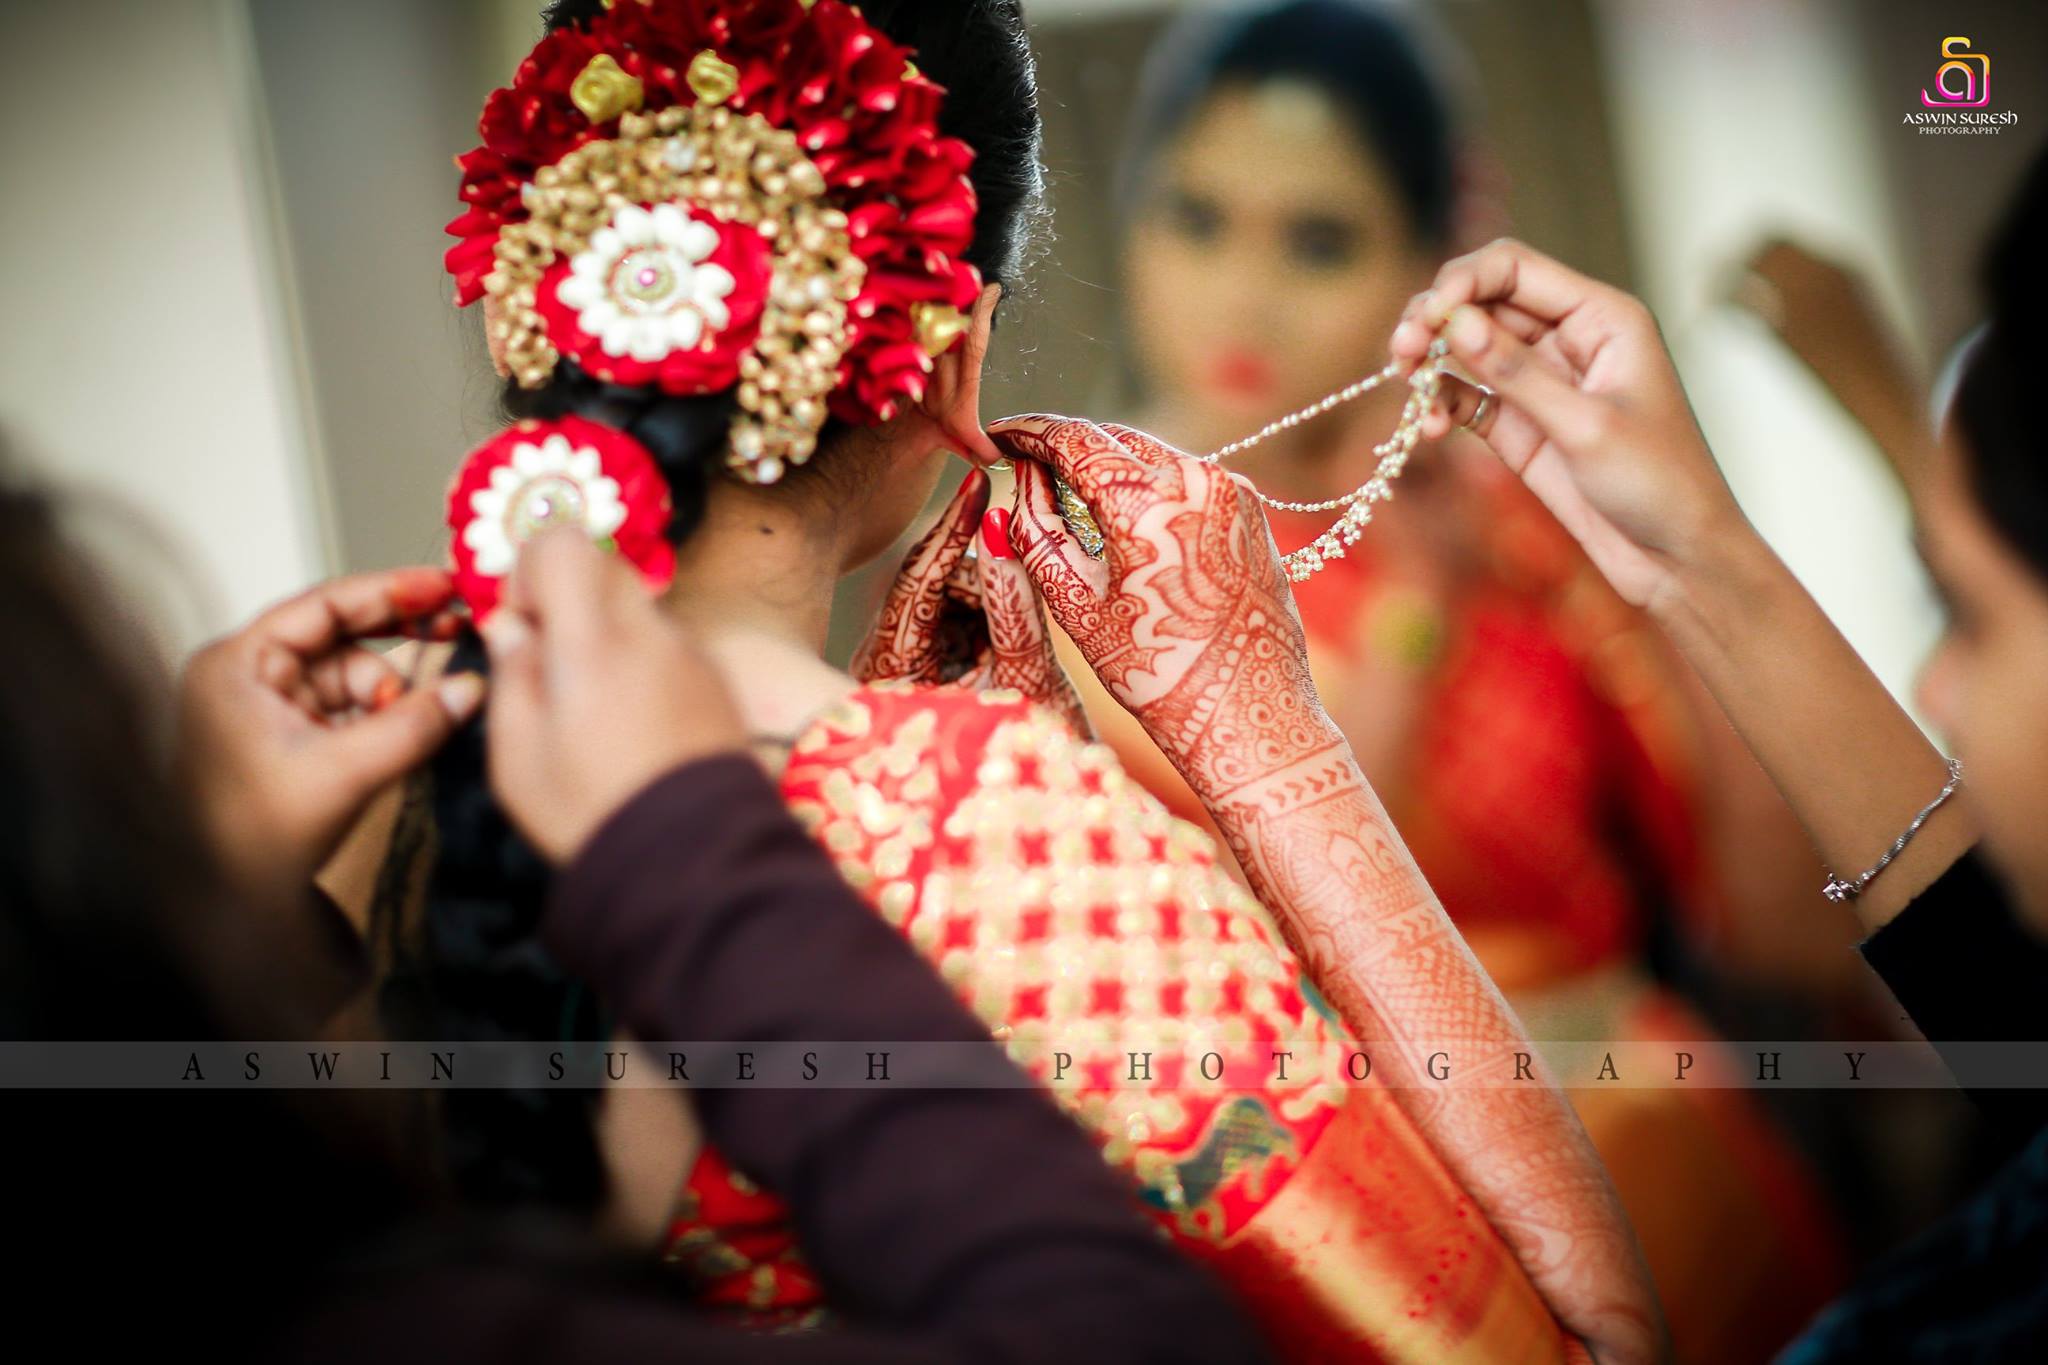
x: 1590, y: 413
x: 1593, y: 419
x: 290, y: 726
x: 1823, y: 310
x: 595, y: 693
x: 1187, y: 618
x: 975, y: 622
x: 1828, y: 316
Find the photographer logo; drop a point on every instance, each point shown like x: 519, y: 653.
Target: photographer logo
x: 1963, y: 80
x: 1960, y: 99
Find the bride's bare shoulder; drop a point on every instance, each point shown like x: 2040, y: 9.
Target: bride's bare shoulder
x: 350, y: 876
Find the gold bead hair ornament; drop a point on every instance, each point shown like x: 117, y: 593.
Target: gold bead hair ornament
x: 707, y: 196
x: 1357, y: 505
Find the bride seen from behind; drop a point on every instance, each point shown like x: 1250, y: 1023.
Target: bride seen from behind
x: 1063, y: 902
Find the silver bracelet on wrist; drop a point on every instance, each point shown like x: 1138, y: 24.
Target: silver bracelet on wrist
x: 1841, y: 892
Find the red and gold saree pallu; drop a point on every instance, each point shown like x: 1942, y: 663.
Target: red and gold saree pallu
x: 1076, y: 915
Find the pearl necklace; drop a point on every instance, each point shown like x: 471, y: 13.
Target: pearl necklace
x: 1357, y: 505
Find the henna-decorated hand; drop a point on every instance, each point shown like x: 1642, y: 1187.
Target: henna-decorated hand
x: 1187, y: 617
x: 973, y: 622
x: 1190, y: 623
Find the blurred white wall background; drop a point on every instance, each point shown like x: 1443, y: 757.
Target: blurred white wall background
x: 146, y: 353
x: 1734, y: 120
x: 365, y: 106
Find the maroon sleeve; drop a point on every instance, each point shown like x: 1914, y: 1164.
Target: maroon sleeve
x: 975, y: 1218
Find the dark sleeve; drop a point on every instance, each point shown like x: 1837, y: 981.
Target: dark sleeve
x: 462, y: 1311
x: 977, y: 1219
x: 1966, y: 972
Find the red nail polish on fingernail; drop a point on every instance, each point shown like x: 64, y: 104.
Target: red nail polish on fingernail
x: 995, y: 534
x: 388, y: 691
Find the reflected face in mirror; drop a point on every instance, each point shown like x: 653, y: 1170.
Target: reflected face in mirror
x: 1986, y: 689
x: 1268, y: 261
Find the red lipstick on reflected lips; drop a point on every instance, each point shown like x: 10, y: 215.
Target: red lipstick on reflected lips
x: 1242, y: 373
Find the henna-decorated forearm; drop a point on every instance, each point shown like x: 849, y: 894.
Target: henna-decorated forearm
x: 1320, y: 852
x: 1191, y: 625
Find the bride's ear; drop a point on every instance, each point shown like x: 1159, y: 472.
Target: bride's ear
x: 952, y: 401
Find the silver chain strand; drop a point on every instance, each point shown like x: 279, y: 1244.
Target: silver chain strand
x: 1307, y: 414
x: 1357, y: 505
x: 1840, y: 891
x: 1394, y: 452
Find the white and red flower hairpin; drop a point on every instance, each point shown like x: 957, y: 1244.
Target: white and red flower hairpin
x: 534, y: 476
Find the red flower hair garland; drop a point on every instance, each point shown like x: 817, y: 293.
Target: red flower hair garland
x: 708, y: 194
